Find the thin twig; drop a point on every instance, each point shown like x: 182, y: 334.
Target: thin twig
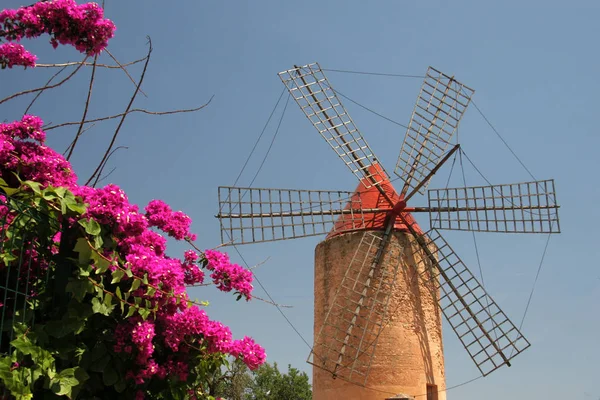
x: 88, y: 64
x: 114, y: 138
x: 270, y: 302
x: 4, y: 100
x: 107, y: 175
x: 106, y: 163
x: 124, y: 70
x: 49, y: 128
x: 85, y: 110
x: 259, y: 264
x: 40, y: 93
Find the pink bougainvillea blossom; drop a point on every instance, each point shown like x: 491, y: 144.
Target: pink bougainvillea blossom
x: 174, y: 223
x: 82, y: 26
x: 228, y: 276
x: 12, y: 54
x: 177, y: 325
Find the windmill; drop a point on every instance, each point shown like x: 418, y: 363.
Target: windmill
x: 381, y: 248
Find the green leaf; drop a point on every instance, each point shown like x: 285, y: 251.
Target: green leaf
x: 10, y: 191
x: 130, y: 312
x: 98, y: 241
x: 120, y: 386
x: 35, y: 186
x: 85, y: 252
x: 120, y: 297
x: 110, y: 375
x: 92, y: 227
x: 135, y: 284
x: 108, y: 299
x: 100, y: 364
x: 101, y: 308
x: 65, y: 326
x: 76, y: 207
x: 144, y: 313
x: 117, y: 275
x: 151, y: 291
x: 101, y: 263
x: 80, y: 288
x: 63, y: 383
x: 60, y: 191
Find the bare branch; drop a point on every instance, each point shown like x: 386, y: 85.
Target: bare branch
x: 49, y: 128
x: 85, y: 110
x: 114, y: 138
x: 88, y: 64
x: 107, y: 175
x: 272, y: 303
x: 40, y: 92
x: 4, y: 100
x: 259, y: 264
x: 98, y: 179
x: 124, y: 70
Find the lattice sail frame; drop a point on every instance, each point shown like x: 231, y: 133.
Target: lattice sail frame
x: 254, y: 215
x: 487, y: 334
x: 438, y: 110
x: 310, y: 88
x: 528, y: 207
x: 346, y: 343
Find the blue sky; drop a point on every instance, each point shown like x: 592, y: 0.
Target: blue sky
x: 533, y: 65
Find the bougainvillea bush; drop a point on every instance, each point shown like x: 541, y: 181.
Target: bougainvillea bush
x: 112, y: 316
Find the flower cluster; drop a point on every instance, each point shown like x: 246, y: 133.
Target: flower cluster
x: 22, y: 149
x: 12, y: 54
x: 174, y: 223
x: 137, y: 248
x: 228, y: 276
x: 81, y: 26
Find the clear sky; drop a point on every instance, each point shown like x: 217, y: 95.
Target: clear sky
x: 534, y: 66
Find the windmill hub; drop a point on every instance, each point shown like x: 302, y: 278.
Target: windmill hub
x: 398, y: 208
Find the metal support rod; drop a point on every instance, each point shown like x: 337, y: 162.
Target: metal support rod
x: 435, y: 117
x: 432, y: 172
x: 431, y: 257
x: 346, y: 145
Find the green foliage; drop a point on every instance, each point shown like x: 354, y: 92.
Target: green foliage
x: 68, y: 353
x: 266, y: 383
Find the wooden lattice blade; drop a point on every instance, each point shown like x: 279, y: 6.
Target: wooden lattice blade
x: 487, y: 334
x: 252, y: 215
x: 528, y: 207
x: 438, y: 110
x: 309, y: 86
x: 348, y: 336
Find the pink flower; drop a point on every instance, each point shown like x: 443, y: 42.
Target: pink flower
x: 81, y: 26
x: 174, y: 223
x: 228, y: 276
x: 15, y: 54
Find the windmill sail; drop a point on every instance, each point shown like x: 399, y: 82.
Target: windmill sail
x: 348, y: 337
x: 487, y: 334
x: 438, y: 110
x: 321, y: 105
x: 528, y: 207
x: 252, y: 215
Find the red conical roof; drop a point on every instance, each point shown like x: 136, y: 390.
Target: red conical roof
x: 372, y: 198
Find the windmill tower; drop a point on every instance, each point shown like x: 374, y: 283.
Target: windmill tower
x: 381, y: 282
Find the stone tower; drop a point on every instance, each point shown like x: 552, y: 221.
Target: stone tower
x: 408, y: 357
